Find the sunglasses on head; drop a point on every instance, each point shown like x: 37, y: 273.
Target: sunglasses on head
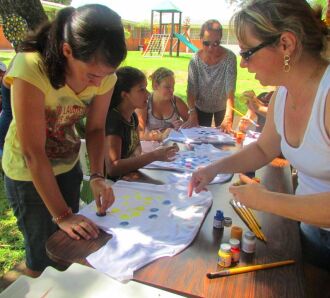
x: 208, y: 43
x: 248, y: 53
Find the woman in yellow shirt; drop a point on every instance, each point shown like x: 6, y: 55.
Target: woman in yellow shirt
x: 63, y: 72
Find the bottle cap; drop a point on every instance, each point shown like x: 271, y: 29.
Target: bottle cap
x: 236, y: 232
x: 249, y: 235
x: 219, y: 215
x: 234, y: 242
x: 227, y: 221
x: 225, y: 247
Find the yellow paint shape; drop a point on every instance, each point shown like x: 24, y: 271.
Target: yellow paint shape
x: 115, y: 210
x: 135, y: 214
x: 124, y: 217
x: 140, y: 208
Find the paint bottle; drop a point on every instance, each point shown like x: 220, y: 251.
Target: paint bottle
x: 235, y: 250
x: 249, y: 242
x: 218, y: 220
x: 236, y: 233
x: 227, y: 222
x: 224, y: 255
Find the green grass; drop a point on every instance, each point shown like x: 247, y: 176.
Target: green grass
x: 11, y: 241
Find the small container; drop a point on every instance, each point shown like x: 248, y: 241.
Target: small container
x: 224, y: 259
x: 218, y: 220
x: 249, y: 242
x: 235, y: 250
x: 236, y: 233
x: 227, y: 222
x: 240, y: 136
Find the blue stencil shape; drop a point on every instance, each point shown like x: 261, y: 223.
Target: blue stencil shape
x: 153, y: 216
x: 154, y: 209
x: 167, y: 202
x: 124, y: 223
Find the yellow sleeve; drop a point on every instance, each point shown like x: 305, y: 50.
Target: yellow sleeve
x: 107, y: 84
x: 28, y: 67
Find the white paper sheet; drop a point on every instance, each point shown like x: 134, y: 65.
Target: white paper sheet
x: 200, y: 135
x: 79, y: 281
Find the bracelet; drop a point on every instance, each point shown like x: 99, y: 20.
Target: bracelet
x: 57, y: 219
x: 95, y: 176
x: 192, y: 110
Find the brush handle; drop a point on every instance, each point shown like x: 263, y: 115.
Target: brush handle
x: 248, y: 269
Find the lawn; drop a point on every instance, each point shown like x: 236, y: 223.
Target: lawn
x: 11, y: 242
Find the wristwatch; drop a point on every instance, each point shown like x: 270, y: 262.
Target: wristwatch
x: 192, y: 110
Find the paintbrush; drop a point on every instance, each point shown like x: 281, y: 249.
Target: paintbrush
x: 239, y: 270
x: 241, y: 114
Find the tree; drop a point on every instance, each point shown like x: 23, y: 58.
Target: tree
x: 30, y: 10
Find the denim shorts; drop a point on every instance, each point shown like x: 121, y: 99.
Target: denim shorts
x: 315, y: 245
x: 33, y: 217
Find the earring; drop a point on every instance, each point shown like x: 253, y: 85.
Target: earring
x: 286, y: 66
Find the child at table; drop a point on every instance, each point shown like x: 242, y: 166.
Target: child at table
x: 164, y: 110
x: 123, y: 148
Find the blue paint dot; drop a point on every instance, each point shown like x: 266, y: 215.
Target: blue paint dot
x: 154, y: 209
x: 167, y: 202
x: 153, y: 216
x: 124, y: 223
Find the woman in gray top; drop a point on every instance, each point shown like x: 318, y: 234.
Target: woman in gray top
x: 211, y: 81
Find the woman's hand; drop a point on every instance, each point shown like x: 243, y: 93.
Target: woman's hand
x: 166, y: 153
x: 254, y: 104
x: 78, y: 226
x: 177, y: 124
x: 227, y: 125
x: 200, y: 178
x: 243, y: 124
x: 249, y: 193
x: 103, y: 194
x: 191, y: 122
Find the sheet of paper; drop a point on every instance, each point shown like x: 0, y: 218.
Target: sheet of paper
x: 189, y: 161
x: 136, y: 221
x: 200, y: 135
x: 79, y: 281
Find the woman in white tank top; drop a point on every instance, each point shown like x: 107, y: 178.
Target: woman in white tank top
x: 281, y: 42
x: 164, y: 111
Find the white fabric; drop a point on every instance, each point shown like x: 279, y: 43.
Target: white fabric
x: 200, y: 135
x: 251, y: 137
x: 312, y: 157
x: 79, y: 281
x: 189, y: 161
x: 136, y: 221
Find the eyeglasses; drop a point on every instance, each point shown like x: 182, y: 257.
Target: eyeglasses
x: 213, y: 44
x: 247, y: 54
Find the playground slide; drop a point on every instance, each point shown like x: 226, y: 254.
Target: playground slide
x: 183, y: 39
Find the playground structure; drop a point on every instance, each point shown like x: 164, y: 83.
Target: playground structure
x: 168, y: 31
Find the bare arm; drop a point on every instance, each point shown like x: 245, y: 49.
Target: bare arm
x: 29, y: 107
x: 192, y: 120
x: 95, y: 142
x: 227, y: 123
x: 120, y: 166
x: 251, y: 157
x: 182, y: 109
x: 304, y: 208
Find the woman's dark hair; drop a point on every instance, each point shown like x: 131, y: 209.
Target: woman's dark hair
x: 211, y: 25
x: 127, y: 78
x: 94, y: 32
